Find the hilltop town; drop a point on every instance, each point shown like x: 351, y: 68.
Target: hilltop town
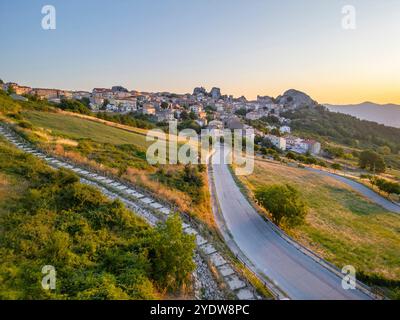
x: 204, y: 109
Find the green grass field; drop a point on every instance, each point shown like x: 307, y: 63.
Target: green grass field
x: 77, y: 128
x: 342, y: 226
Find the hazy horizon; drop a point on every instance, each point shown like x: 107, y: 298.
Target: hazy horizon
x: 387, y: 114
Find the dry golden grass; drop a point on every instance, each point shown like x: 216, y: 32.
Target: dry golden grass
x: 342, y: 225
x: 178, y: 198
x: 142, y: 178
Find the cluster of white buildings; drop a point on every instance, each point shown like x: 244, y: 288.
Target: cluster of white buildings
x: 165, y: 107
x: 295, y: 144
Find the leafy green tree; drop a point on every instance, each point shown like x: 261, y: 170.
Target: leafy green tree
x: 372, y: 161
x: 285, y: 204
x: 172, y: 254
x: 336, y: 166
x: 193, y: 116
x: 85, y: 101
x: 105, y: 104
x: 276, y: 157
x: 334, y: 152
x: 184, y: 115
x: 291, y: 155
x: 276, y: 132
x: 241, y: 112
x: 322, y: 163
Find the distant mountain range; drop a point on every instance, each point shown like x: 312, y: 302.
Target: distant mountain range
x: 387, y: 114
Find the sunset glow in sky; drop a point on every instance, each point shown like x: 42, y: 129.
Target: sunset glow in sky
x: 245, y: 47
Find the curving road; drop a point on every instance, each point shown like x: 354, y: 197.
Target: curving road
x: 294, y: 272
x: 365, y: 191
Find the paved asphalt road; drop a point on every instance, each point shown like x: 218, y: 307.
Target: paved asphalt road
x: 294, y: 272
x: 366, y: 192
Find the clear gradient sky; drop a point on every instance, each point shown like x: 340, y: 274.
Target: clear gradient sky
x: 245, y: 47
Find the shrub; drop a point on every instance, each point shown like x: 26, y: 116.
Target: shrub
x: 285, y: 204
x: 372, y: 161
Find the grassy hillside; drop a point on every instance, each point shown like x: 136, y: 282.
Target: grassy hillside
x: 77, y: 128
x: 112, y: 148
x: 342, y: 226
x: 344, y: 129
x: 100, y: 249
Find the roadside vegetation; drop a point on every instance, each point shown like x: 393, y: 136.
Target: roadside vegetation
x: 284, y: 203
x: 341, y: 225
x: 99, y: 248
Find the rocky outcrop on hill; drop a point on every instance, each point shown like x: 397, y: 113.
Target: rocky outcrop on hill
x: 215, y: 93
x: 199, y: 90
x: 294, y: 99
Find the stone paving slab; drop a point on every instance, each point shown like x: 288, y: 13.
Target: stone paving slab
x: 165, y: 211
x: 156, y: 205
x: 137, y: 195
x: 200, y: 240
x: 185, y: 226
x: 208, y: 249
x: 191, y: 231
x: 146, y: 200
x: 234, y: 283
x: 245, y: 294
x: 217, y: 259
x: 226, y: 270
x: 115, y: 184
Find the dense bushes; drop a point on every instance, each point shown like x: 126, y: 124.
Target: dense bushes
x: 386, y: 186
x: 373, y: 161
x: 74, y: 106
x: 285, y: 204
x: 131, y: 119
x: 100, y: 250
x: 188, y: 180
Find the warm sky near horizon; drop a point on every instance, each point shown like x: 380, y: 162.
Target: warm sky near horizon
x: 245, y: 47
